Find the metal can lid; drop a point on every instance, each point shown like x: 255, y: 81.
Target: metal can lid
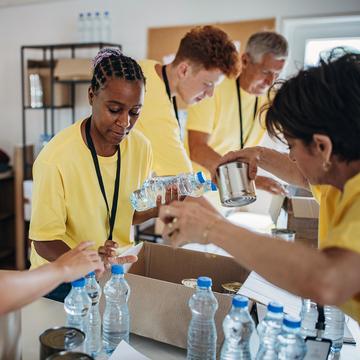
x: 61, y: 338
x: 191, y: 283
x: 232, y: 287
x: 68, y: 355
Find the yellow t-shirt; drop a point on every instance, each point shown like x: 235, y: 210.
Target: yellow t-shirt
x: 327, y: 196
x: 67, y: 202
x: 342, y: 211
x: 158, y: 123
x: 219, y: 117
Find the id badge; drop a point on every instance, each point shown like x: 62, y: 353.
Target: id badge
x: 317, y: 349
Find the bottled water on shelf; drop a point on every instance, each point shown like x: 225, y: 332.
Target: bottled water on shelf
x: 77, y: 305
x: 97, y: 27
x: 268, y: 331
x: 81, y: 28
x: 190, y: 184
x: 201, y: 342
x: 238, y: 327
x: 290, y: 346
x: 89, y: 28
x: 334, y: 323
x: 106, y: 27
x: 116, y: 319
x: 93, y: 341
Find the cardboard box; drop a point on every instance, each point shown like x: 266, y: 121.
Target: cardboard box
x: 78, y: 69
x: 303, y: 217
x: 159, y: 302
x: 61, y: 91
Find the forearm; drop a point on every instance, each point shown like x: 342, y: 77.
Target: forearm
x: 304, y: 271
x: 141, y: 216
x: 280, y: 165
x: 51, y: 250
x: 18, y: 288
x: 204, y: 155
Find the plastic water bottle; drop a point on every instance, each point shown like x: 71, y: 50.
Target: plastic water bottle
x: 93, y: 341
x: 116, y: 319
x: 106, y: 27
x: 81, y: 28
x: 77, y: 306
x: 268, y: 331
x: 190, y: 184
x: 334, y: 327
x: 291, y: 346
x: 89, y: 28
x: 334, y: 323
x: 97, y: 27
x: 201, y: 342
x: 238, y: 327
x: 309, y: 316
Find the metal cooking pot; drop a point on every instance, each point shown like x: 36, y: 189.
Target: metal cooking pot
x: 235, y: 187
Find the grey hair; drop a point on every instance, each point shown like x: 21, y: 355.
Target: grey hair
x: 265, y: 42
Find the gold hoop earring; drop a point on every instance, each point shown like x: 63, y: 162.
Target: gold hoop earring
x: 326, y: 165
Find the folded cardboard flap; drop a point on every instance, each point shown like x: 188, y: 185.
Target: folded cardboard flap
x: 305, y: 207
x: 159, y: 302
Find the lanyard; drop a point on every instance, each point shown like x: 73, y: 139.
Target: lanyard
x: 240, y: 113
x: 101, y: 183
x: 173, y: 100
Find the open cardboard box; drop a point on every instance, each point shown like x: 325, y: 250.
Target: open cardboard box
x: 159, y: 302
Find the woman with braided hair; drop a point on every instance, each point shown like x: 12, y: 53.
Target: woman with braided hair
x: 84, y: 177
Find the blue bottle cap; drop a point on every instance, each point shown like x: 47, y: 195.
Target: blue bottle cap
x: 204, y: 281
x: 97, y: 13
x: 78, y: 283
x: 213, y: 187
x: 117, y: 269
x: 240, y: 301
x: 200, y: 176
x: 91, y: 274
x: 275, y: 307
x: 292, y: 322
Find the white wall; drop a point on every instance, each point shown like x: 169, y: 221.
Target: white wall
x: 56, y: 22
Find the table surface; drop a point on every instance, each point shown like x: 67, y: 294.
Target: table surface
x: 44, y: 314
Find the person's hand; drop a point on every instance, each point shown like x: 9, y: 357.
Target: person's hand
x: 270, y: 185
x: 187, y: 222
x: 250, y: 155
x: 171, y: 194
x: 79, y: 262
x: 110, y: 256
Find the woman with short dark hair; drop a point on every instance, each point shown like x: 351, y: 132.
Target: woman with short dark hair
x: 318, y: 113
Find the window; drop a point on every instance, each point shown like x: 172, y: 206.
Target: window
x: 316, y: 48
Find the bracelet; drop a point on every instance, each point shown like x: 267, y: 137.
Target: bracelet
x: 208, y: 228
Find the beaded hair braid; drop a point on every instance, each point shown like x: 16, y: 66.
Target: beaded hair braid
x: 109, y: 63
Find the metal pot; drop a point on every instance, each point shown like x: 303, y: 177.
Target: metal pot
x: 235, y: 187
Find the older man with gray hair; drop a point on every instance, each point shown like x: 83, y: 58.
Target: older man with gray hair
x: 230, y: 119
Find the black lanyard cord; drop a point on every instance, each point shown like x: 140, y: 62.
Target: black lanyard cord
x: 173, y: 99
x: 320, y: 324
x: 100, y: 180
x: 240, y: 112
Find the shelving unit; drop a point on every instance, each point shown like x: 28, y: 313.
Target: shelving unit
x: 23, y: 158
x: 7, y: 217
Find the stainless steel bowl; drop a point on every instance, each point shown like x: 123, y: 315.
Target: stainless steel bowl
x: 235, y: 187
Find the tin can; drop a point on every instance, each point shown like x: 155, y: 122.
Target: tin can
x: 231, y: 287
x: 286, y: 234
x: 68, y: 355
x: 59, y: 339
x: 191, y: 283
x: 235, y: 187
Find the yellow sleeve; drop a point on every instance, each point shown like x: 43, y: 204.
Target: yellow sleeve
x: 48, y: 215
x: 346, y: 234
x: 316, y: 191
x: 201, y: 116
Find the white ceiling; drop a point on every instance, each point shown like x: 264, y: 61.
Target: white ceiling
x: 7, y: 3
